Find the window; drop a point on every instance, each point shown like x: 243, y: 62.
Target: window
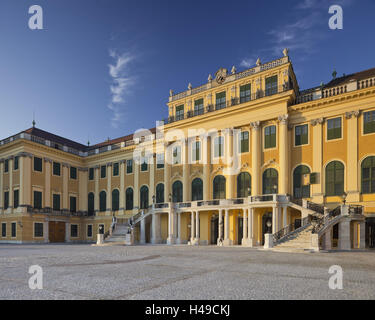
x: 144, y: 197
x: 160, y: 193
x: 176, y: 155
x: 243, y: 185
x: 220, y: 100
x: 15, y: 199
x: 198, y: 107
x: 218, y: 146
x: 243, y: 142
x: 38, y: 229
x: 115, y: 200
x: 195, y: 152
x: 103, y: 172
x: 270, y: 181
x: 197, y: 189
x: 115, y: 169
x: 335, y: 179
x: 73, y: 173
x: 103, y: 201
x: 219, y: 187
x: 73, y: 204
x: 300, y: 190
x: 245, y: 92
x: 3, y: 230
x: 56, y: 169
x: 369, y: 122
x: 301, y: 135
x: 56, y: 202
x: 368, y: 175
x: 38, y: 164
x: 6, y: 165
x: 91, y: 204
x: 270, y: 137
x: 180, y: 112
x: 89, y: 231
x: 91, y: 174
x: 16, y: 163
x: 177, y: 195
x: 129, y: 199
x: 144, y: 165
x: 37, y: 200
x: 271, y: 85
x: 14, y: 229
x: 74, y: 230
x: 333, y: 129
x: 129, y: 166
x: 160, y: 160
x: 6, y: 200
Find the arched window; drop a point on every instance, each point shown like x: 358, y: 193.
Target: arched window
x: 243, y: 185
x: 160, y: 193
x: 115, y: 200
x: 197, y: 189
x: 368, y: 175
x: 102, y: 201
x: 219, y: 187
x: 300, y: 190
x: 144, y: 197
x: 129, y: 199
x: 91, y: 204
x: 335, y: 178
x: 270, y: 181
x: 177, y: 191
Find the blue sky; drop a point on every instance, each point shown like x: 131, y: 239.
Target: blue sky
x: 104, y: 68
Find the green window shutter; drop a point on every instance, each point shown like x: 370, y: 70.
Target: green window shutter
x: 56, y: 202
x: 73, y: 204
x: 6, y: 165
x: 103, y: 171
x: 6, y: 200
x: 16, y: 163
x: 129, y: 166
x: 115, y: 169
x: 38, y: 164
x: 91, y: 174
x: 73, y: 173
x: 56, y: 169
x: 37, y: 200
x: 15, y: 199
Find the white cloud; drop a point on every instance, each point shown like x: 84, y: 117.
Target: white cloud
x: 120, y: 86
x: 248, y: 62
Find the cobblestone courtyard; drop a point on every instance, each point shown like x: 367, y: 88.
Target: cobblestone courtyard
x: 181, y: 272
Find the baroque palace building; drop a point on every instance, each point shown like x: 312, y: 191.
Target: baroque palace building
x: 244, y: 155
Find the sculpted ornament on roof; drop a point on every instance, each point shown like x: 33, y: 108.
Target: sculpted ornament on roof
x: 221, y: 75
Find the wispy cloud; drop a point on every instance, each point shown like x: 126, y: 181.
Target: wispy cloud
x: 302, y: 33
x: 121, y: 83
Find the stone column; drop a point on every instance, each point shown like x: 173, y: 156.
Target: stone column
x: 96, y: 198
x: 251, y: 226
x: 255, y: 157
x: 285, y: 216
x: 155, y: 228
x: 65, y: 192
x: 317, y: 191
x: 227, y: 240
x: 178, y: 217
x: 220, y: 226
x: 109, y: 188
x: 283, y: 155
x: 136, y: 163
x: 167, y: 174
x: 362, y: 235
x: 67, y: 232
x: 206, y: 156
x: 186, y: 171
x: 143, y: 231
x: 47, y: 186
x: 274, y: 219
x: 352, y: 156
x: 229, y: 157
x: 1, y: 186
x: 245, y: 228
x: 171, y: 236
x: 26, y: 180
x: 328, y: 240
x: 10, y: 208
x: 197, y: 230
x: 344, y: 235
x: 122, y: 186
x: 192, y: 229
x: 46, y: 231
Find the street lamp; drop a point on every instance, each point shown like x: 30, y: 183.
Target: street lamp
x: 268, y: 224
x: 170, y: 198
x: 153, y: 199
x: 275, y: 188
x: 248, y: 191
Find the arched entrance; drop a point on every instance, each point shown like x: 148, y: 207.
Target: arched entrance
x: 300, y: 189
x: 144, y: 197
x: 177, y: 191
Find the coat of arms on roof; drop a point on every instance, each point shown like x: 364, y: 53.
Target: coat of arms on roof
x: 221, y: 75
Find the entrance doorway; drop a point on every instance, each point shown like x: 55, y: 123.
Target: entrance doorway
x: 370, y: 232
x: 266, y: 224
x: 240, y: 230
x: 56, y: 231
x: 214, y: 229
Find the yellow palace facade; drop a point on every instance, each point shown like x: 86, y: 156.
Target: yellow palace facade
x: 244, y: 155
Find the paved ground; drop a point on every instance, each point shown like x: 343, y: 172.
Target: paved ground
x: 181, y: 272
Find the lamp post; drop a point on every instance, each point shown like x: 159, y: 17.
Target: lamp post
x: 153, y: 199
x: 344, y: 195
x: 274, y: 188
x: 170, y: 197
x: 268, y: 224
x: 248, y: 191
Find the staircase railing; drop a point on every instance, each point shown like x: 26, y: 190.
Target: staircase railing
x: 318, y: 224
x: 282, y: 233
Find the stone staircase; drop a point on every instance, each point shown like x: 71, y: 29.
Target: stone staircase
x: 298, y: 241
x: 118, y: 235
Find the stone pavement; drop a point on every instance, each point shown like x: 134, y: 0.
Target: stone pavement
x: 181, y: 272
